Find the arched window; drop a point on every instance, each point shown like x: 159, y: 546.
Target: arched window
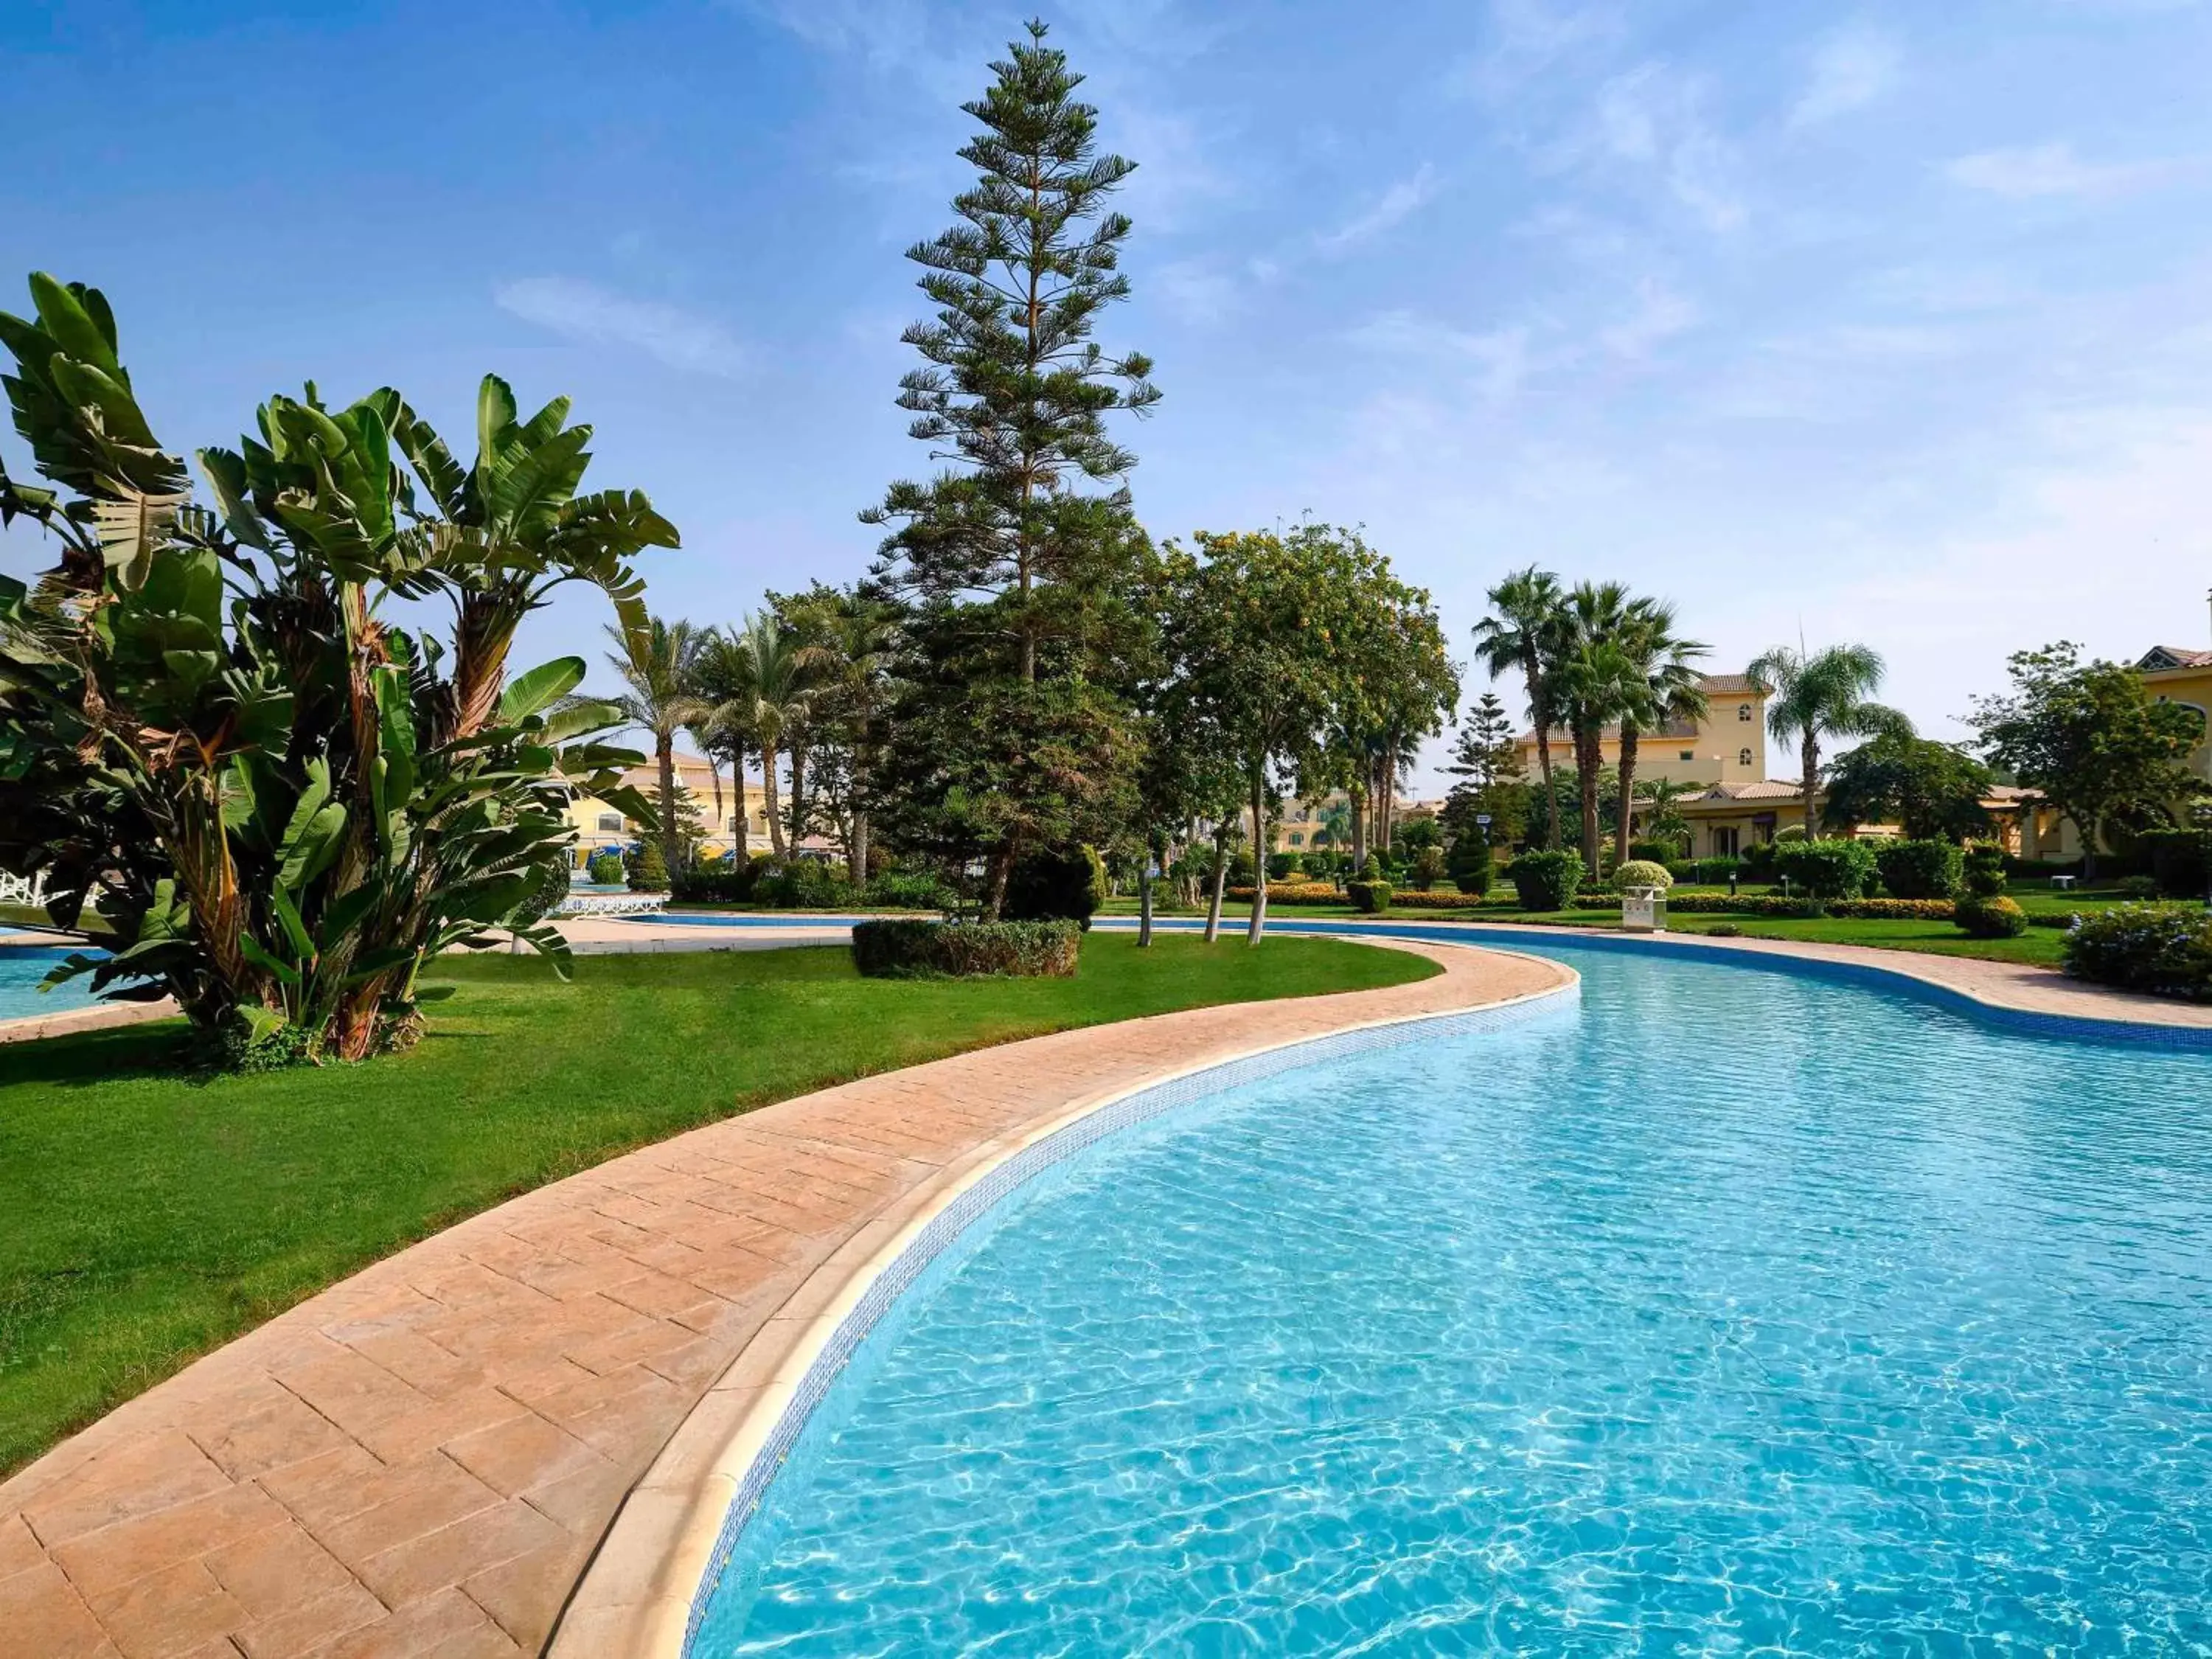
x: 1743, y: 757
x: 1743, y: 711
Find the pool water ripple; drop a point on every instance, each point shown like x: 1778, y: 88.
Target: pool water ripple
x: 1736, y: 1313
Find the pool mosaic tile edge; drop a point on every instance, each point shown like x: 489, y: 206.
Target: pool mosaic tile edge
x: 1096, y: 1123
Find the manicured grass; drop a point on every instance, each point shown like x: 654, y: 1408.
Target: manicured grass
x: 145, y: 1217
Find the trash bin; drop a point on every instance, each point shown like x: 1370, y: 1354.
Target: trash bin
x: 1644, y: 910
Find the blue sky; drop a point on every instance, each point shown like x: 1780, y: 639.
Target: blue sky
x: 1887, y: 322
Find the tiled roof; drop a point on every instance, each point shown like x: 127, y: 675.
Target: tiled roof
x: 1727, y: 685
x: 1763, y: 789
x: 2173, y: 656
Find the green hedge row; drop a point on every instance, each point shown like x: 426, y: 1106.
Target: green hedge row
x: 906, y: 949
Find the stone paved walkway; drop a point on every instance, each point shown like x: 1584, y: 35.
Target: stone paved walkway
x: 419, y: 1460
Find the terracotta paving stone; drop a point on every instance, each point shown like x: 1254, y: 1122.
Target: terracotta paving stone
x: 417, y: 1463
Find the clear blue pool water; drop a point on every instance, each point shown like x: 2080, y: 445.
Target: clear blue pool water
x: 21, y: 968
x: 723, y: 918
x: 1734, y: 1313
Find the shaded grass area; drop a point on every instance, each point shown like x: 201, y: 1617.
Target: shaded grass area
x: 145, y: 1217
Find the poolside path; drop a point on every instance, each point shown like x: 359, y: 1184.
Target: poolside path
x: 419, y: 1460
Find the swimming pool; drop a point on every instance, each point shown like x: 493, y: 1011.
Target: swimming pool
x: 1735, y: 1310
x: 21, y: 968
x: 752, y: 919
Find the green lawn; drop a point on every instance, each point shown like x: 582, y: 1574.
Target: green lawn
x: 145, y: 1218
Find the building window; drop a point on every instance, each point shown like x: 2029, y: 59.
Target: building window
x: 1743, y: 711
x: 1723, y: 842
x: 611, y: 823
x: 1297, y: 840
x: 1689, y: 755
x: 1743, y: 757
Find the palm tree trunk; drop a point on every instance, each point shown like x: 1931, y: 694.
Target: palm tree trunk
x: 663, y: 751
x: 1259, y: 863
x: 1532, y: 671
x: 1145, y: 897
x: 856, y: 850
x: 1812, y: 756
x: 775, y: 814
x: 714, y: 771
x: 1358, y: 830
x: 1220, y: 881
x: 1588, y: 758
x: 740, y: 830
x: 797, y: 795
x: 1626, y: 827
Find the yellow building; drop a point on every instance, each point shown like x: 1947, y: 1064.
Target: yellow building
x: 1301, y: 825
x: 599, y: 826
x: 2174, y: 674
x: 1727, y: 745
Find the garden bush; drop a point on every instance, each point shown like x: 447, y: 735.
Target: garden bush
x: 1291, y: 892
x: 726, y: 882
x: 2163, y: 948
x: 1442, y: 898
x: 1987, y: 865
x: 1547, y: 881
x: 1921, y: 869
x: 908, y: 889
x: 2180, y: 861
x: 1369, y: 898
x: 914, y: 949
x: 1066, y: 885
x: 1775, y: 904
x: 648, y: 871
x: 1724, y: 930
x: 1283, y: 865
x: 1470, y: 864
x: 605, y: 869
x: 1757, y: 862
x: 800, y: 885
x: 1657, y: 851
x: 1428, y: 866
x: 2138, y: 887
x: 1705, y: 873
x: 1834, y: 868
x: 1641, y: 873
x: 1990, y: 916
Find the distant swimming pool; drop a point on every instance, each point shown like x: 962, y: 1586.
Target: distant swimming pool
x: 724, y: 919
x: 21, y: 968
x: 1739, y: 1311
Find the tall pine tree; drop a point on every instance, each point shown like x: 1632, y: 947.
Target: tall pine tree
x: 1017, y: 559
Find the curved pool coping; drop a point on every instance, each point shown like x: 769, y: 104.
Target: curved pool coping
x: 647, y: 1586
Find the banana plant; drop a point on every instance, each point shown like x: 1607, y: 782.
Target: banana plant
x: 220, y: 750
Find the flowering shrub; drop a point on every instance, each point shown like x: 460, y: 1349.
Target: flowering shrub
x: 1291, y: 892
x: 1774, y: 904
x: 1991, y: 916
x: 1441, y: 898
x: 2165, y: 949
x: 1641, y: 873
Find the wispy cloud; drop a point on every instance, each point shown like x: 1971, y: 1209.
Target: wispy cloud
x: 1196, y: 291
x: 1528, y: 39
x: 1653, y: 117
x: 2047, y: 170
x: 1850, y: 70
x: 578, y: 310
x: 1500, y: 357
x: 1659, y: 315
x: 1399, y: 203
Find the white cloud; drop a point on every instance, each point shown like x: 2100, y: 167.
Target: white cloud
x: 578, y: 310
x: 1499, y: 357
x: 1197, y: 291
x: 1659, y: 315
x: 1399, y: 203
x: 2038, y: 170
x: 1849, y: 70
x: 1529, y: 39
x: 1651, y: 117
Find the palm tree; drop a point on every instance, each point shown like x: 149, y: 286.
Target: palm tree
x: 717, y: 676
x: 1664, y: 690
x: 852, y: 651
x: 1660, y: 796
x: 658, y: 668
x: 770, y: 686
x: 1523, y: 632
x: 1823, y: 694
x: 1592, y: 682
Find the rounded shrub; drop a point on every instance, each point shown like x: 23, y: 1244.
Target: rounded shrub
x: 905, y: 949
x: 1641, y: 873
x: 1547, y: 881
x: 648, y: 871
x: 1371, y: 897
x: 1428, y: 867
x: 605, y: 869
x: 1724, y: 930
x: 1994, y: 917
x: 1832, y: 868
x: 1921, y: 869
x: 1282, y: 865
x: 1985, y: 870
x: 1062, y: 884
x: 1469, y: 865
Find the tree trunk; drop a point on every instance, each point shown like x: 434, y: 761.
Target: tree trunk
x: 1625, y: 829
x: 663, y: 751
x: 996, y: 875
x: 2090, y: 830
x: 1259, y: 863
x: 714, y: 771
x: 1144, y: 898
x: 798, y: 796
x: 740, y: 830
x: 1588, y: 758
x: 775, y: 813
x: 856, y: 849
x: 1812, y: 757
x: 1220, y: 880
x: 1358, y: 830
x: 1533, y: 674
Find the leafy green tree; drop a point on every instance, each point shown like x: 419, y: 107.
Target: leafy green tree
x: 1820, y: 694
x: 1524, y: 633
x: 658, y: 667
x: 851, y: 638
x: 1397, y: 685
x: 1664, y: 820
x: 1011, y: 730
x: 276, y: 801
x: 2090, y: 738
x: 1934, y: 790
x: 1486, y: 761
x: 1664, y: 689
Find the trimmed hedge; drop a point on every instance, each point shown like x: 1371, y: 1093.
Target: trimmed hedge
x: 1990, y: 916
x: 1547, y: 881
x: 1439, y: 899
x: 1470, y: 865
x: 1987, y: 865
x: 1774, y: 904
x: 606, y: 870
x: 1641, y: 873
x: 1370, y: 898
x: 1921, y: 869
x: 1068, y: 885
x: 1291, y: 892
x: 1834, y: 868
x: 906, y: 949
x: 2163, y: 948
